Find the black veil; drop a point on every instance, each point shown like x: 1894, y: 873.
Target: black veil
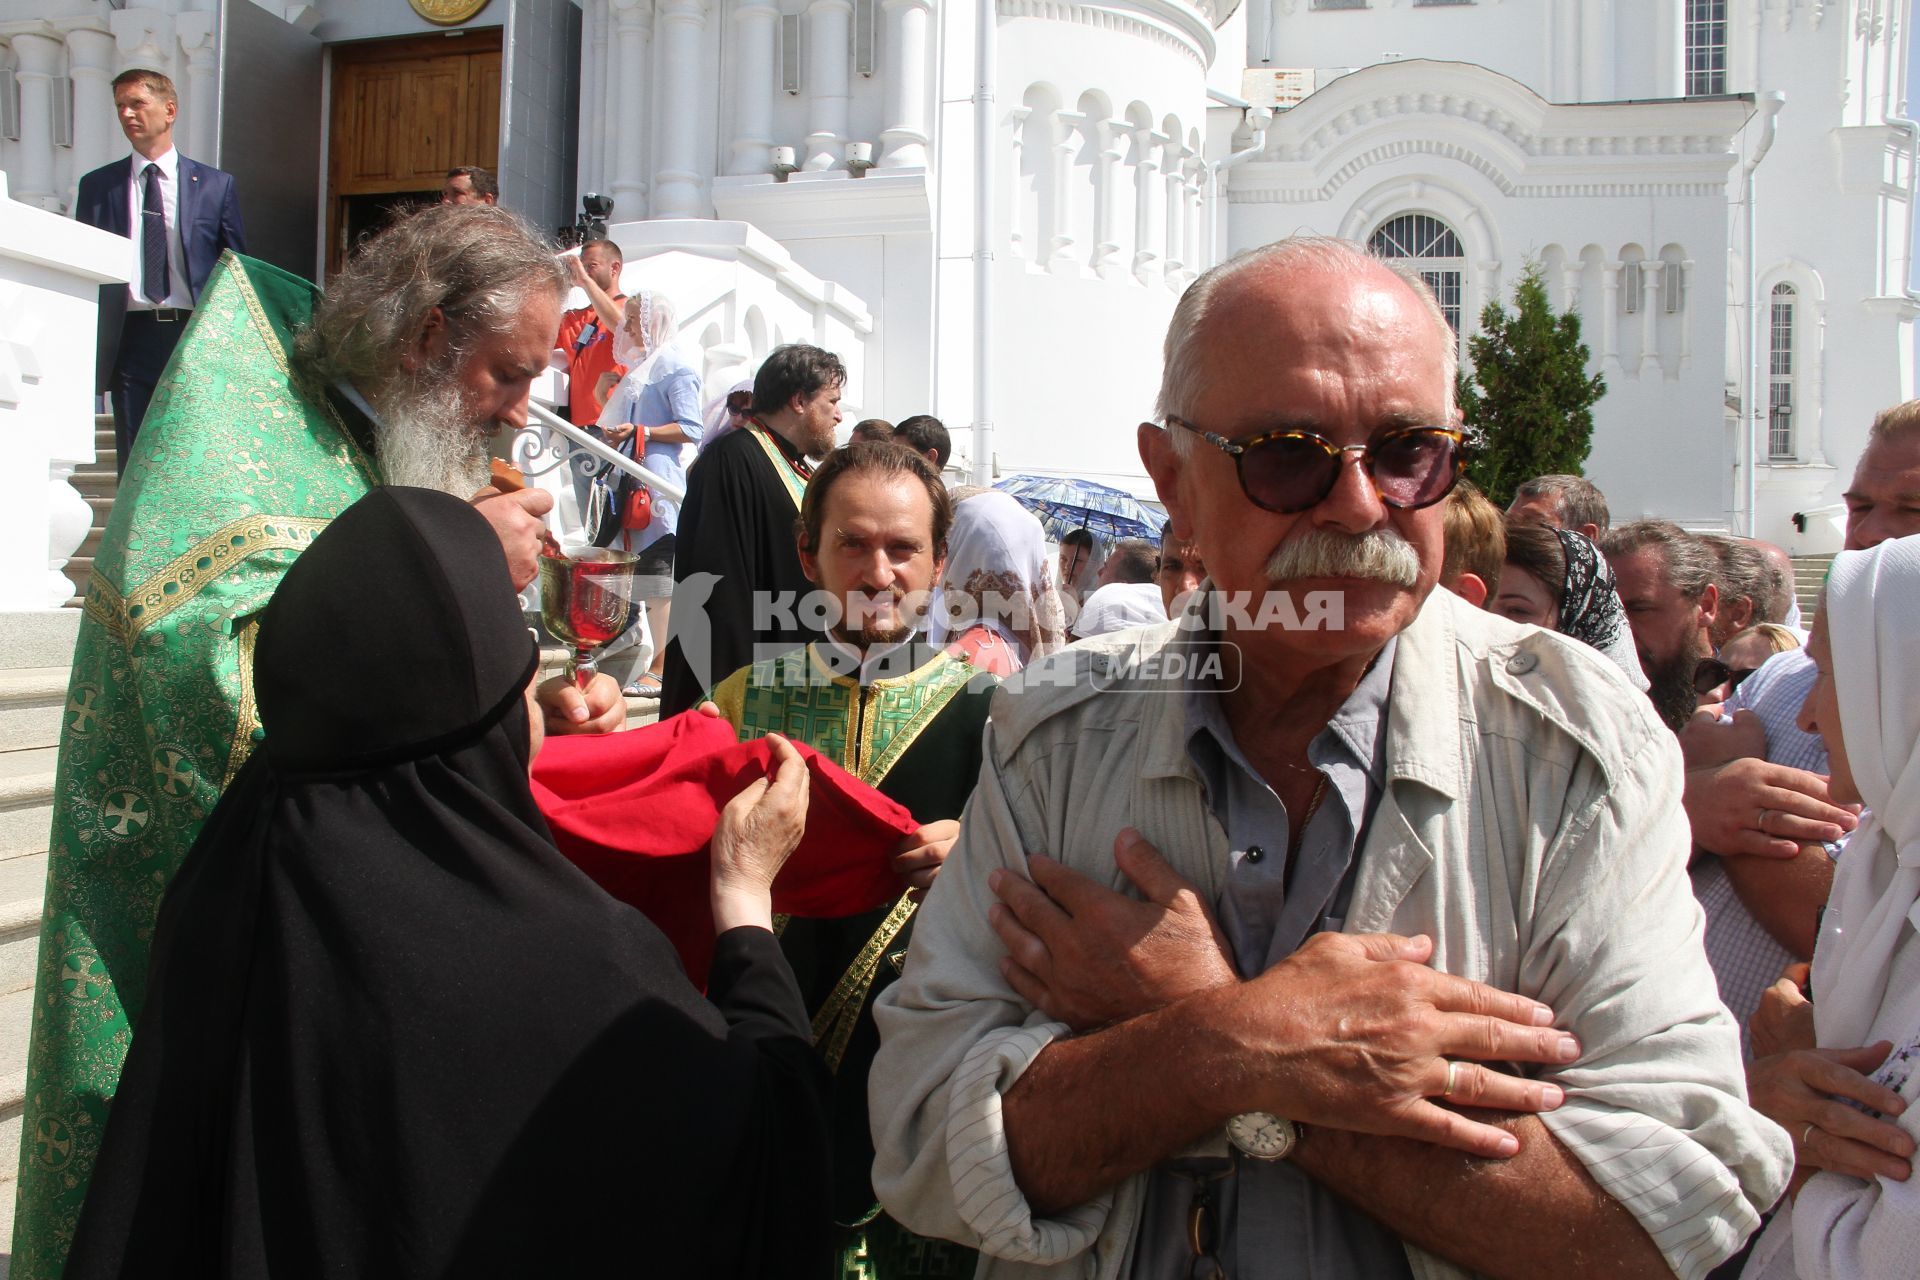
x: 390, y: 1031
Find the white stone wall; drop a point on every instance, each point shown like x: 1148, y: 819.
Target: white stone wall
x: 51, y: 270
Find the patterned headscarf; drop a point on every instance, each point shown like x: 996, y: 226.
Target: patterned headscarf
x: 1590, y: 609
x: 997, y: 572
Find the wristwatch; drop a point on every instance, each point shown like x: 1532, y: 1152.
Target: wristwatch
x: 1262, y: 1135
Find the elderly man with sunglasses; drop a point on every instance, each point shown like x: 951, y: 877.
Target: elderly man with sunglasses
x: 1336, y: 928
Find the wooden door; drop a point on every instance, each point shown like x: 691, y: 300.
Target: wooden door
x: 403, y: 113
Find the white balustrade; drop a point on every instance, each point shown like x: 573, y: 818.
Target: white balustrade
x: 51, y: 270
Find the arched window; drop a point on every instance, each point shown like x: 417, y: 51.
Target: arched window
x: 1780, y: 376
x: 1442, y: 263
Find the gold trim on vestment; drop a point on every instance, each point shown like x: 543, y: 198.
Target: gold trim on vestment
x: 105, y: 605
x: 790, y: 478
x: 248, y: 717
x: 225, y: 547
x: 875, y: 767
x: 276, y: 352
x: 833, y: 1025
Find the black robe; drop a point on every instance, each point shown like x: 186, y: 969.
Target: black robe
x: 391, y: 1032
x: 738, y: 524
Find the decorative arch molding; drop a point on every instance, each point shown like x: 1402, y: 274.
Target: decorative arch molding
x: 1168, y: 24
x: 1437, y: 196
x: 1522, y: 144
x: 1453, y: 205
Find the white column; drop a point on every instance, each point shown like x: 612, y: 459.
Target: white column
x: 1145, y: 176
x: 1060, y: 244
x: 1108, y: 143
x: 96, y: 132
x: 632, y: 43
x: 38, y: 56
x: 828, y: 46
x: 754, y: 24
x: 676, y: 184
x: 1570, y: 272
x: 1650, y: 311
x: 596, y: 99
x: 1596, y: 52
x: 1610, y: 313
x: 1016, y: 238
x: 1175, y: 260
x: 1686, y: 313
x: 1195, y: 212
x: 903, y: 138
x: 198, y: 34
x: 142, y: 35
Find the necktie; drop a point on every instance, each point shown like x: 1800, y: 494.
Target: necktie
x: 153, y: 239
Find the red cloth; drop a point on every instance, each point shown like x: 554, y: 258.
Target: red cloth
x: 636, y: 810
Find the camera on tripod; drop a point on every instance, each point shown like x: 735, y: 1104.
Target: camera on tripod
x: 590, y: 225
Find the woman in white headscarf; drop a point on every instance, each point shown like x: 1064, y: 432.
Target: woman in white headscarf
x: 656, y: 410
x: 996, y: 607
x: 728, y: 413
x: 1854, y: 1207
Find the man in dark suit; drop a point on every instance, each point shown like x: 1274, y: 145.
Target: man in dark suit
x: 180, y: 214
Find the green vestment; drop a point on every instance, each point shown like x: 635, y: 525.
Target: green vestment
x: 235, y: 472
x: 912, y: 730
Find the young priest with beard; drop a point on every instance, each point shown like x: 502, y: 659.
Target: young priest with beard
x: 905, y: 718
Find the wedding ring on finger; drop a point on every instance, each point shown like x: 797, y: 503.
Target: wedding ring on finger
x: 1806, y: 1136
x: 1453, y: 1072
x: 1761, y: 821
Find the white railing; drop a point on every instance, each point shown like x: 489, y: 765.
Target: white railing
x: 551, y: 452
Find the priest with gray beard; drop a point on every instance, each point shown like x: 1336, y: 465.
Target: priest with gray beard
x: 427, y: 342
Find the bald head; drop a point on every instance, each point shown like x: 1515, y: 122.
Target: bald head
x: 1235, y: 302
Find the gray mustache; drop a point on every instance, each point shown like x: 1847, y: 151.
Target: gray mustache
x: 1380, y: 554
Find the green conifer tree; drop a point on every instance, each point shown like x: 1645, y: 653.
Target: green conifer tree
x: 1529, y: 401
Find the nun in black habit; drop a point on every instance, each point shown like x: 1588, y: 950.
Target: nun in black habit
x: 390, y: 1031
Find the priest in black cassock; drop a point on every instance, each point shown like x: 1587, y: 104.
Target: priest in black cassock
x: 904, y: 718
x: 736, y: 543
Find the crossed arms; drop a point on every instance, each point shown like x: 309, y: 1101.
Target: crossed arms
x: 995, y: 1123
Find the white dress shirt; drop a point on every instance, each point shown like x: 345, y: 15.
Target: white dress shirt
x: 178, y: 292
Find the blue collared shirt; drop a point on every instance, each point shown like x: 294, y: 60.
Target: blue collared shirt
x: 1272, y: 1218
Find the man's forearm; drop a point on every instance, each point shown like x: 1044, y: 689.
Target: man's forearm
x: 1785, y: 894
x: 1093, y: 1110
x: 1560, y: 1221
x: 603, y: 305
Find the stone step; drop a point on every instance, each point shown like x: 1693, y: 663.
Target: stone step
x: 26, y: 811
x: 1809, y: 573
x: 37, y: 638
x: 23, y: 886
x: 32, y: 703
x: 96, y: 481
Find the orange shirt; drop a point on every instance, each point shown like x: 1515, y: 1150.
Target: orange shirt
x: 589, y: 348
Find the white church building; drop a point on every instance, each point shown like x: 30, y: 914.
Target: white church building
x: 989, y: 210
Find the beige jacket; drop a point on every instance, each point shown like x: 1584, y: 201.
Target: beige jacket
x: 1531, y: 824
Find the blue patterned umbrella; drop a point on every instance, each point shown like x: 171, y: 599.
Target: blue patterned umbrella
x: 1064, y: 504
